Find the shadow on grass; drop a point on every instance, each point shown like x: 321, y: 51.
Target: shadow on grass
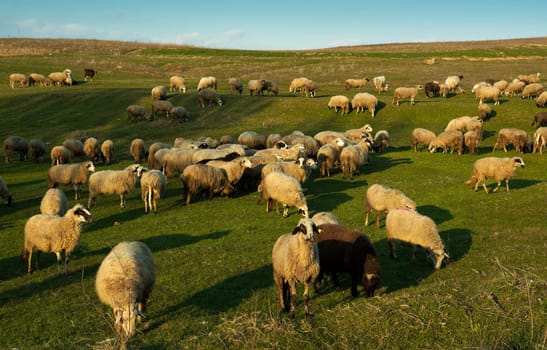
x: 439, y: 215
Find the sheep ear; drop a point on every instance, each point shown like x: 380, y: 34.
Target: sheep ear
x: 298, y: 229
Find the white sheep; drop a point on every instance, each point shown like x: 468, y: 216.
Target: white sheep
x: 443, y: 90
x: 196, y: 177
x: 295, y: 259
x: 70, y: 174
x: 76, y: 147
x: 339, y: 101
x: 36, y: 149
x: 153, y: 185
x: 51, y: 233
x: 451, y: 138
x: 530, y: 78
x: 290, y: 153
x: 158, y: 93
x: 452, y: 82
x: 234, y: 169
x: 137, y: 150
x: 353, y: 157
x: 18, y: 78
x: 310, y: 88
x: 540, y: 139
x: 177, y: 83
x: 54, y: 202
x: 91, y: 149
x: 6, y: 194
x: 236, y: 86
x: 493, y: 167
x: 310, y: 144
x: 118, y: 182
x: 15, y: 144
x: 532, y: 90
x: 34, y: 78
x: 252, y: 139
x: 297, y: 84
x: 363, y: 101
x: 404, y: 93
x: 58, y: 78
x: 382, y: 199
x: 136, y: 112
x: 501, y: 84
x: 59, y: 155
x: 357, y: 135
x: 464, y: 123
x: 328, y: 155
x: 107, y: 151
x: 325, y: 217
x: 416, y: 229
x: 541, y: 100
x: 152, y: 149
x: 518, y: 137
x: 255, y: 86
x: 300, y: 169
x: 175, y: 160
x: 515, y: 87
x: 355, y: 83
x: 421, y: 136
x: 487, y: 92
x: 484, y: 111
x: 162, y: 106
x: 381, y: 141
x: 207, y: 82
x: 284, y: 189
x: 471, y: 139
x: 124, y: 282
x: 208, y: 96
x: 380, y: 83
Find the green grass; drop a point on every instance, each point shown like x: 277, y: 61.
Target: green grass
x: 214, y: 287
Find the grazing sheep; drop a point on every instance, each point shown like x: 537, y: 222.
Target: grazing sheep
x: 355, y: 83
x: 541, y: 100
x: 236, y: 86
x: 418, y: 230
x: 6, y: 194
x: 161, y: 106
x: 118, y: 182
x: 209, y: 96
x: 404, y: 93
x: 58, y: 78
x: 452, y: 82
x: 16, y: 144
x: 310, y: 144
x: 496, y: 168
x: 179, y: 113
x: 382, y: 199
x: 136, y: 112
x: 501, y: 84
x: 153, y: 185
x: 175, y: 160
x: 271, y: 87
x: 451, y: 138
x: 380, y: 83
x: 137, y: 150
x: 36, y: 150
x: 41, y: 79
x: 421, y: 136
x: 177, y: 83
x: 107, y: 151
x: 359, y: 134
x: 464, y: 123
x: 70, y: 174
x: 540, y: 139
x: 328, y: 155
x: 234, y: 168
x: 207, y: 82
x: 76, y: 147
x: 484, y: 111
x: 532, y: 90
x: 300, y: 169
x: 471, y: 139
x: 295, y: 259
x: 381, y: 141
x: 54, y: 202
x: 339, y: 101
x: 51, y: 233
x: 158, y: 93
x: 297, y: 84
x: 196, y: 177
x: 342, y: 249
x: 310, y: 88
x: 252, y: 139
x: 432, y: 89
x: 124, y: 282
x: 256, y: 86
x: 518, y: 137
x: 18, y: 78
x: 89, y: 74
x: 530, y: 78
x: 60, y: 155
x: 91, y: 149
x: 443, y: 90
x: 152, y: 149
x: 540, y: 119
x: 325, y: 217
x: 284, y: 189
x: 352, y: 158
x: 515, y: 87
x: 364, y: 100
x: 289, y: 153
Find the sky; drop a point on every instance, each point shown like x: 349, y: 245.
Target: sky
x: 274, y: 25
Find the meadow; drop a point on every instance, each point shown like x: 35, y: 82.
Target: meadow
x: 214, y: 286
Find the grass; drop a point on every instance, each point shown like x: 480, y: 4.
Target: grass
x: 215, y: 286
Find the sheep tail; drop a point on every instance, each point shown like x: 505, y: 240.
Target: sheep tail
x: 149, y: 199
x: 472, y: 180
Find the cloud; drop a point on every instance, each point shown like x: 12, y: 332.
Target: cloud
x: 345, y: 42
x: 37, y: 28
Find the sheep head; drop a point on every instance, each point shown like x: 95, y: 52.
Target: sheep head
x: 80, y: 212
x: 307, y: 228
x: 518, y: 162
x: 90, y: 166
x: 124, y: 320
x: 437, y: 256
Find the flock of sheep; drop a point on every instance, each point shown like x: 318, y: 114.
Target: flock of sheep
x: 276, y: 166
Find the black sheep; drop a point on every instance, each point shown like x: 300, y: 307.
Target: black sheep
x: 343, y: 249
x: 432, y: 88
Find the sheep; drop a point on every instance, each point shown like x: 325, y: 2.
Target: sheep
x: 501, y: 84
x: 59, y: 155
x: 152, y: 149
x: 541, y: 100
x: 118, y: 182
x: 532, y: 90
x: 153, y: 185
x: 493, y: 167
x: 360, y: 133
x: 76, y: 147
x: 177, y: 83
x: 451, y: 138
x: 381, y: 141
x: 381, y: 199
x: 540, y: 119
x: 271, y: 87
x: 34, y: 78
x: 15, y: 144
x: 36, y: 149
x: 174, y: 161
x: 225, y: 153
x: 136, y: 112
x: 328, y: 155
x: 405, y: 92
x: 310, y: 144
x: 18, y: 78
x: 54, y: 202
x: 91, y: 149
x: 325, y: 217
x: 58, y: 78
x: 70, y: 174
x: 6, y: 194
x: 342, y: 249
x: 355, y: 83
x: 421, y: 136
x: 471, y: 139
x: 297, y: 84
x: 429, y: 61
x: 236, y: 86
x: 300, y: 169
x: 284, y: 189
x: 310, y: 88
x: 161, y: 106
x: 431, y: 89
x: 179, y: 113
x: 380, y: 83
x: 209, y: 96
x: 443, y: 90
x: 514, y: 87
x: 484, y: 111
x: 339, y: 101
x: 196, y: 177
x: 416, y: 229
x: 89, y: 74
x: 518, y: 137
x: 540, y: 139
x: 252, y: 139
x: 234, y: 168
x: 295, y: 259
x: 530, y: 78
x: 289, y: 153
x: 124, y: 282
x: 137, y: 150
x: 255, y: 86
x: 352, y: 158
x: 158, y: 93
x: 226, y: 139
x: 452, y: 82
x: 107, y: 151
x: 51, y: 233
x: 207, y: 82
x: 464, y: 123
x: 364, y: 100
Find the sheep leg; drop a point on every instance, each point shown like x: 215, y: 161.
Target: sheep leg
x: 413, y: 252
x: 29, y: 252
x: 285, y: 210
x: 292, y: 287
x: 67, y: 260
x: 391, y: 244
x: 367, y: 212
x: 377, y: 219
x: 306, y: 299
x: 122, y: 201
x: 354, y: 283
x: 77, y: 191
x: 59, y: 263
x: 497, y: 187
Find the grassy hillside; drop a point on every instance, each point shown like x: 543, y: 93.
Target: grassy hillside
x: 214, y: 287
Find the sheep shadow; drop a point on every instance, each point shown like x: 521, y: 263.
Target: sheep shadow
x: 439, y: 215
x: 124, y: 215
x: 381, y: 162
x: 516, y: 184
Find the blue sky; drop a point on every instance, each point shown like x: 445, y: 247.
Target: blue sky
x: 274, y: 25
